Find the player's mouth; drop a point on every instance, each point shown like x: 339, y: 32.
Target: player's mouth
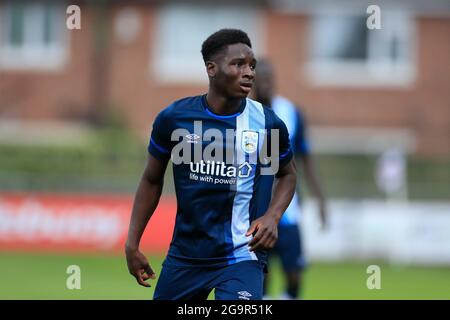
x: 246, y: 86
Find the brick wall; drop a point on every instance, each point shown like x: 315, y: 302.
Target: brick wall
x: 423, y: 107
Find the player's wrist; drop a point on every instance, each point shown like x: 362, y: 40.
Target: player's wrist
x: 273, y: 214
x: 131, y: 247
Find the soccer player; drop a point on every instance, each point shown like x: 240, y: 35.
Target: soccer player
x: 228, y: 208
x: 289, y: 245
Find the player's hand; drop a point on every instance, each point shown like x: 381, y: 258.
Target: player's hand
x: 139, y: 267
x: 265, y: 230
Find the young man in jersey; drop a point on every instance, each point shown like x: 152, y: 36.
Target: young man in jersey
x: 226, y: 218
x: 289, y: 245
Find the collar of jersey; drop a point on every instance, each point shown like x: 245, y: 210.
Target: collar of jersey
x: 220, y: 116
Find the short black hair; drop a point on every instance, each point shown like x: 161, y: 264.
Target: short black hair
x: 222, y: 38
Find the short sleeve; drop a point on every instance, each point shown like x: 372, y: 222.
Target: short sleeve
x: 285, y: 150
x: 301, y: 144
x: 159, y: 145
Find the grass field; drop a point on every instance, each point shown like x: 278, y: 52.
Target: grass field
x: 43, y: 276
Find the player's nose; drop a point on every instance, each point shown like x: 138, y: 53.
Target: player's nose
x: 248, y: 72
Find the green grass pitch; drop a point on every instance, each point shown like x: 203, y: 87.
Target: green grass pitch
x: 43, y: 276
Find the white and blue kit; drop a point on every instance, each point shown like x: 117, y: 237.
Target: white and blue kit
x: 217, y: 200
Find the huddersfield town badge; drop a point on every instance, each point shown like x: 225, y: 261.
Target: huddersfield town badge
x: 249, y: 141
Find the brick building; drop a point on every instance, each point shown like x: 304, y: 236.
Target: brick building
x: 137, y: 56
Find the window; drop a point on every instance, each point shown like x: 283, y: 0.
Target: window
x: 345, y: 52
x: 32, y: 35
x: 181, y: 30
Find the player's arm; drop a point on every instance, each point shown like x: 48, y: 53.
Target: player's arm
x: 145, y: 202
x: 266, y: 227
x: 315, y: 186
x: 308, y: 167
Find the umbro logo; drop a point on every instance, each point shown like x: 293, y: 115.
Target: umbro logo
x: 244, y: 295
x: 192, y: 138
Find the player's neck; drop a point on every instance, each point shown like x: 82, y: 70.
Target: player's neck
x: 222, y: 105
x: 265, y: 101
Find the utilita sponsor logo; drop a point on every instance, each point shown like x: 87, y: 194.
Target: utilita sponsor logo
x: 31, y: 221
x: 217, y: 168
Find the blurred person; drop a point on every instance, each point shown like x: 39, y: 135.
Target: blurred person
x: 222, y: 230
x: 289, y: 246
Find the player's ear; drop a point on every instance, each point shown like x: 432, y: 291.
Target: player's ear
x: 211, y: 68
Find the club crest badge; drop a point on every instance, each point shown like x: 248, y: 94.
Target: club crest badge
x: 249, y: 141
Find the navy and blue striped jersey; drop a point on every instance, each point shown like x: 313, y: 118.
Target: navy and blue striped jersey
x: 221, y: 192
x: 295, y: 124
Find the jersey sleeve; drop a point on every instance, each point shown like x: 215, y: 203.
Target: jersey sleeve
x: 301, y: 144
x: 285, y: 150
x: 159, y: 145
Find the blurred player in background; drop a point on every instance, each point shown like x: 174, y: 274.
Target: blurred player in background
x: 289, y: 246
x: 226, y: 220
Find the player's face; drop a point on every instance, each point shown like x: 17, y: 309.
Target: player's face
x: 236, y: 72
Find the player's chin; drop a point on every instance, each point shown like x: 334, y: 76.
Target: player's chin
x: 240, y: 93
